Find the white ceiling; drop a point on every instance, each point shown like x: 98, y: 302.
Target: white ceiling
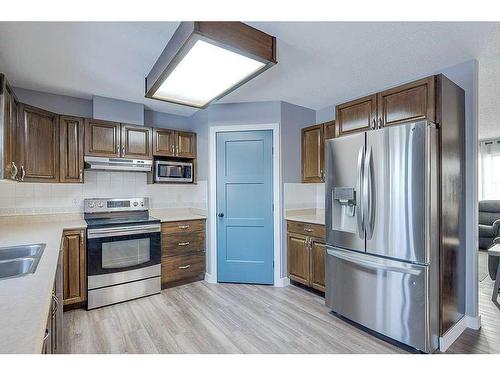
x: 319, y: 63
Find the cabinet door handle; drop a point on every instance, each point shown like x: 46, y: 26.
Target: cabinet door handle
x: 123, y: 150
x: 56, y: 304
x: 118, y: 149
x: 183, y: 226
x: 184, y: 243
x: 81, y: 175
x: 374, y: 123
x: 23, y: 173
x: 184, y: 267
x: 309, y: 230
x: 13, y: 170
x: 380, y: 125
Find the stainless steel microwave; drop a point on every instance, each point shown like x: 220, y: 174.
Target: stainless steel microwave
x: 173, y: 171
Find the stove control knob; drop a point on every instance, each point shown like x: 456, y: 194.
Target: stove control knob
x: 135, y: 204
x: 142, y: 204
x: 100, y: 204
x: 91, y: 204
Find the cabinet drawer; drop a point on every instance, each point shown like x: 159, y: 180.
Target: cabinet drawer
x: 183, y: 226
x: 182, y: 267
x: 311, y: 230
x: 182, y: 243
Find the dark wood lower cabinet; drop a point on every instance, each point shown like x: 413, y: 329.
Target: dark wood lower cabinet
x: 306, y: 255
x: 298, y: 258
x: 317, y: 259
x: 74, y: 268
x: 183, y: 246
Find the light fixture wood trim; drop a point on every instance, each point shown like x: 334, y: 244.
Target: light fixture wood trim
x: 234, y: 36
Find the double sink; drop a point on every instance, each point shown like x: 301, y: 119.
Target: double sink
x: 21, y: 260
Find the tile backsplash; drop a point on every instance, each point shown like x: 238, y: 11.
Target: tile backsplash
x: 32, y: 198
x: 300, y: 196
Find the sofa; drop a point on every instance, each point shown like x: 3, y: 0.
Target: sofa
x: 489, y: 223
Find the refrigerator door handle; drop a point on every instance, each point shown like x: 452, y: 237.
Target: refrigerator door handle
x: 368, y: 195
x: 360, y: 198
x: 379, y: 264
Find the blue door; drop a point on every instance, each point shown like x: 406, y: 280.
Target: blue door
x: 245, y: 247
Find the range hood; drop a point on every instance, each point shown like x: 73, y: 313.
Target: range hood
x: 117, y: 164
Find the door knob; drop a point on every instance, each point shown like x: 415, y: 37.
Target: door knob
x: 221, y: 214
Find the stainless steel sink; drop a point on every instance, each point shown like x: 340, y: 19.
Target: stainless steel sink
x: 16, y: 267
x: 13, y: 252
x: 18, y: 261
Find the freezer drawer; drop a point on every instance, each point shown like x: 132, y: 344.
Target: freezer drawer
x: 387, y: 296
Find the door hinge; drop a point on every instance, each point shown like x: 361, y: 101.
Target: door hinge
x: 273, y: 207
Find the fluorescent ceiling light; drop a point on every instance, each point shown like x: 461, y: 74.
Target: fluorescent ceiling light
x: 203, y: 61
x: 204, y: 73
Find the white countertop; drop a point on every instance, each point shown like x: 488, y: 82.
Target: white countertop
x: 308, y: 215
x: 178, y: 214
x: 25, y: 301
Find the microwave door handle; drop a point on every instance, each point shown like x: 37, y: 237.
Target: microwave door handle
x: 360, y: 196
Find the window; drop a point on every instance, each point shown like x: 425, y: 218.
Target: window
x: 489, y: 169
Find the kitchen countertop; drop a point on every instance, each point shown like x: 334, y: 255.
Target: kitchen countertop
x: 308, y: 215
x: 26, y: 300
x: 178, y: 214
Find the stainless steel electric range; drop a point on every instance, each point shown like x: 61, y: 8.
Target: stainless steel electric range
x: 123, y: 251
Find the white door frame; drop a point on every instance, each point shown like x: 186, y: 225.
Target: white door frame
x: 211, y: 273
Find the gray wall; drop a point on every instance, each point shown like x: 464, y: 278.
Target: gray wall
x: 325, y: 114
x: 167, y: 120
x: 293, y: 119
x: 118, y: 110
x: 55, y: 103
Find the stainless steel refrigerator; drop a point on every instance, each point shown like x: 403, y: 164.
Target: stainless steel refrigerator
x: 382, y: 231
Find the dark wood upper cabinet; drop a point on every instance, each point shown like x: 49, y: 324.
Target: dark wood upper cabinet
x: 409, y: 102
x: 71, y: 149
x: 313, y: 153
x: 102, y: 138
x: 163, y: 142
x: 356, y: 115
x: 318, y: 251
x: 9, y: 112
x: 185, y: 144
x: 39, y: 145
x: 175, y: 143
x: 329, y: 129
x: 136, y: 141
x: 298, y: 258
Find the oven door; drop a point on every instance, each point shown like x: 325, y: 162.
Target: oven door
x: 119, y: 249
x: 173, y: 171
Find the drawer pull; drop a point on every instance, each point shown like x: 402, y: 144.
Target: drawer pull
x: 184, y: 267
x: 183, y: 243
x: 309, y: 230
x: 183, y: 226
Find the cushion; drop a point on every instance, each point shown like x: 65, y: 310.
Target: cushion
x: 486, y: 231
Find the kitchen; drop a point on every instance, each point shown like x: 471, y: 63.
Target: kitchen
x: 148, y: 248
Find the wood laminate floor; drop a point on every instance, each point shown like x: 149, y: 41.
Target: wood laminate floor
x: 238, y: 318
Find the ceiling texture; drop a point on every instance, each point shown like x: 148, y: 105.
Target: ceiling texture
x: 319, y: 63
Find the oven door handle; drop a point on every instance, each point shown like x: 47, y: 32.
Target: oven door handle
x: 123, y: 231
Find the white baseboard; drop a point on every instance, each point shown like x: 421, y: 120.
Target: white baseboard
x: 445, y: 341
x: 473, y: 322
x: 284, y: 281
x: 209, y: 278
